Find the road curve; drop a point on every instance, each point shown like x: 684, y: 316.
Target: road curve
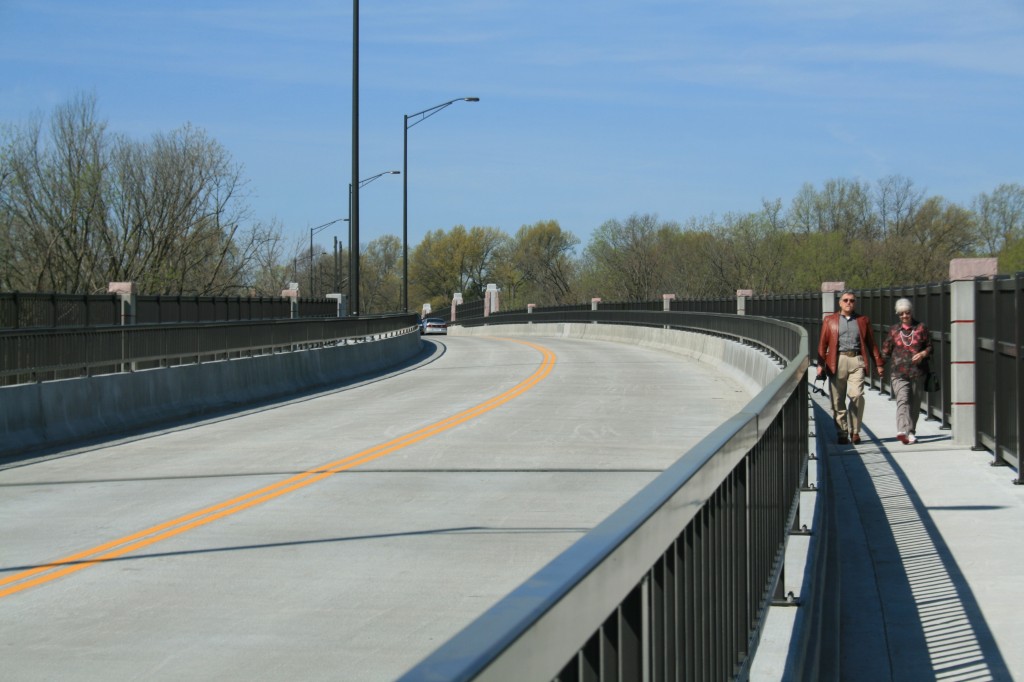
x: 338, y: 536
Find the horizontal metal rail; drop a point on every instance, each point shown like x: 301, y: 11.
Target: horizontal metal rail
x: 28, y: 355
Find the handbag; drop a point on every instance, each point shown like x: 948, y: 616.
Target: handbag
x: 931, y: 382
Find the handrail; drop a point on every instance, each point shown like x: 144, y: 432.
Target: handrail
x: 698, y: 550
x: 46, y: 353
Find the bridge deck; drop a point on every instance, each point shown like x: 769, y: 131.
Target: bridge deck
x: 392, y: 532
x: 359, y: 574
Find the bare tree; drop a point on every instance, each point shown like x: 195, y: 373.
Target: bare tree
x: 1000, y: 217
x: 81, y: 207
x: 896, y: 202
x: 52, y: 199
x: 380, y: 267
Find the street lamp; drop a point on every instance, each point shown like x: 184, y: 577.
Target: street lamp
x: 313, y: 231
x: 419, y: 118
x: 353, y: 244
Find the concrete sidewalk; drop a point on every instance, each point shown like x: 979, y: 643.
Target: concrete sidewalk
x: 930, y: 550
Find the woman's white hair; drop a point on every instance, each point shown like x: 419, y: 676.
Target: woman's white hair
x: 904, y: 304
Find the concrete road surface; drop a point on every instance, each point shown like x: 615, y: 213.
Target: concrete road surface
x: 341, y: 536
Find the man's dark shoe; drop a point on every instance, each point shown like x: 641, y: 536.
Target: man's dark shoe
x: 843, y: 440
x: 856, y: 438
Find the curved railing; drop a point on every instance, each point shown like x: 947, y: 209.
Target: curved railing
x: 677, y: 582
x: 38, y: 354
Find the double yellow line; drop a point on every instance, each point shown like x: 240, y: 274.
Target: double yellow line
x: 144, y: 538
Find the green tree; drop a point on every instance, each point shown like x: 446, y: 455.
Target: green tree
x: 938, y: 232
x: 623, y: 259
x: 540, y: 261
x: 747, y: 250
x: 691, y: 273
x: 459, y: 261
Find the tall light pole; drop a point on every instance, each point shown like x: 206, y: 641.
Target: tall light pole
x: 353, y: 239
x: 313, y: 231
x: 418, y: 117
x: 353, y: 207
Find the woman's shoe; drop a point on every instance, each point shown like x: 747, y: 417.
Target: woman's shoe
x: 855, y: 438
x: 902, y: 437
x: 911, y: 439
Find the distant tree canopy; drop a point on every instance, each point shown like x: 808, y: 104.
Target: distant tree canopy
x: 80, y: 207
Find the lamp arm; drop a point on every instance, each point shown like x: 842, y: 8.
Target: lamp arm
x: 427, y: 113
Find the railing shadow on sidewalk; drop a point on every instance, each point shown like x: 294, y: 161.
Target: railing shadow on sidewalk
x: 934, y: 627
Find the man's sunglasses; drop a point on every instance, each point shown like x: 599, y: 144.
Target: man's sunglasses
x: 847, y: 300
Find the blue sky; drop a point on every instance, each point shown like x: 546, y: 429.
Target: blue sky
x: 589, y: 111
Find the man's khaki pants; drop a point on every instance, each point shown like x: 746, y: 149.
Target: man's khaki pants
x: 848, y: 385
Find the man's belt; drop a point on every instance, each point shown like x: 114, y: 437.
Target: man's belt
x: 850, y: 353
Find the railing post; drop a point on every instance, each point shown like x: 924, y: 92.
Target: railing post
x: 741, y: 300
x: 342, y: 303
x: 828, y: 300
x: 127, y: 292
x: 292, y: 294
x: 594, y: 302
x: 666, y: 302
x: 491, y: 304
x: 456, y: 302
x: 962, y: 336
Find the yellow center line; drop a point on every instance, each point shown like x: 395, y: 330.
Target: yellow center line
x: 168, y: 529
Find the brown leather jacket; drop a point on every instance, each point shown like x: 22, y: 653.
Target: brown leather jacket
x: 828, y: 344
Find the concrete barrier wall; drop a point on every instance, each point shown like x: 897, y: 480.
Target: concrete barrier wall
x: 750, y: 367
x: 34, y: 416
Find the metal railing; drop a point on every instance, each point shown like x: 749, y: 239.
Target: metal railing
x: 999, y: 372
x: 20, y: 311
x: 28, y: 355
x: 27, y: 310
x: 178, y: 309
x: 677, y: 582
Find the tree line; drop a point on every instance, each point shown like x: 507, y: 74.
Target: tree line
x: 81, y: 206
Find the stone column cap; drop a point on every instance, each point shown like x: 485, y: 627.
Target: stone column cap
x: 971, y: 268
x: 122, y: 288
x: 833, y: 287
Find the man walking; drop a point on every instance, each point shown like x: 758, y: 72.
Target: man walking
x: 843, y: 352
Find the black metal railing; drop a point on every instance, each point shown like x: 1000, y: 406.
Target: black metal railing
x: 190, y: 309
x: 677, y: 582
x: 28, y: 310
x: 21, y: 311
x: 999, y: 372
x: 28, y: 355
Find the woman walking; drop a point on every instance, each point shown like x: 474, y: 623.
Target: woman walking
x: 909, y: 345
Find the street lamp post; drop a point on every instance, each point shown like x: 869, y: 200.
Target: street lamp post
x: 313, y: 231
x: 353, y: 242
x: 419, y: 117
